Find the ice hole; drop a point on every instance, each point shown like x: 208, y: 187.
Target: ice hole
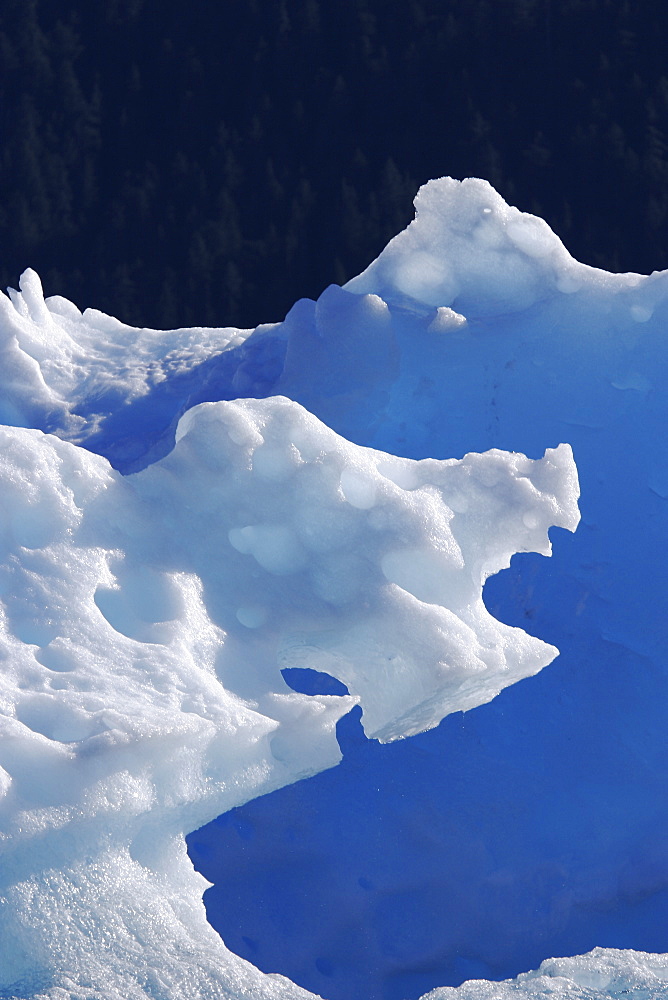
x: 144, y: 600
x: 304, y: 680
x: 51, y: 718
x: 32, y: 632
x: 55, y: 658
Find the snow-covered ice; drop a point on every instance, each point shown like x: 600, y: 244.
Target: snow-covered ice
x: 146, y: 619
x: 167, y: 550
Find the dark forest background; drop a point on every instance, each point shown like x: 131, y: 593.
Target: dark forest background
x: 179, y: 162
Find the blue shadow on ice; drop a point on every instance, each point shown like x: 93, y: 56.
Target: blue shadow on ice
x: 508, y: 834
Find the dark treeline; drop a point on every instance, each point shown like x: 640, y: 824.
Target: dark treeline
x: 180, y: 162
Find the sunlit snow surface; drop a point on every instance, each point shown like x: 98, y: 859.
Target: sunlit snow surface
x: 147, y: 616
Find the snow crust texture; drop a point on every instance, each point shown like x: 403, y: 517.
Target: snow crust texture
x: 169, y: 547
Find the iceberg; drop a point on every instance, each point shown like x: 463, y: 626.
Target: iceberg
x: 186, y: 514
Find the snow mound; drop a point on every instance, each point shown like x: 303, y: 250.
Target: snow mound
x: 145, y: 620
x: 467, y: 249
x: 603, y: 974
